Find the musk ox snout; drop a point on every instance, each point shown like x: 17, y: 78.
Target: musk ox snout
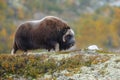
x: 71, y: 42
x: 43, y: 34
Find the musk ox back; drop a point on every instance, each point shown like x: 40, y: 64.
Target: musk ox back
x: 43, y: 34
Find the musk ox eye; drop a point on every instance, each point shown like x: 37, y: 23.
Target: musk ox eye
x: 68, y: 37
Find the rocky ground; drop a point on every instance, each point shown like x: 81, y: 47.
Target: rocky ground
x: 103, y: 70
x: 109, y: 70
x: 70, y: 65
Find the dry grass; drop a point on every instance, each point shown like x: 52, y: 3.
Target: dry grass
x: 37, y: 65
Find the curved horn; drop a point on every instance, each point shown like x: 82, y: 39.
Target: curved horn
x: 70, y: 31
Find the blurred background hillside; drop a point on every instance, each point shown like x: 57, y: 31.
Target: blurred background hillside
x: 94, y: 21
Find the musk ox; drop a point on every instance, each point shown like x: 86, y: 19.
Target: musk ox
x: 43, y: 34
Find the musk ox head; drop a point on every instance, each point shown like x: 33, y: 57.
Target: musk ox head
x: 68, y: 39
x: 43, y: 34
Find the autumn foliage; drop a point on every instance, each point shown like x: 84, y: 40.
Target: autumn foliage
x: 101, y: 27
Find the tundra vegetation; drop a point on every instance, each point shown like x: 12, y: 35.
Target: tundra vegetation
x: 35, y: 66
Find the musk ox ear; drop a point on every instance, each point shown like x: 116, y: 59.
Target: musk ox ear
x: 68, y: 32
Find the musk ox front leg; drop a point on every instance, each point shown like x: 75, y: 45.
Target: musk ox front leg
x: 53, y: 45
x: 57, y: 47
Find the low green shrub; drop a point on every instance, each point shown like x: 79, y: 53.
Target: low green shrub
x: 25, y: 66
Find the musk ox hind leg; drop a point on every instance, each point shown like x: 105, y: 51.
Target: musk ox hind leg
x: 25, y: 52
x: 13, y: 51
